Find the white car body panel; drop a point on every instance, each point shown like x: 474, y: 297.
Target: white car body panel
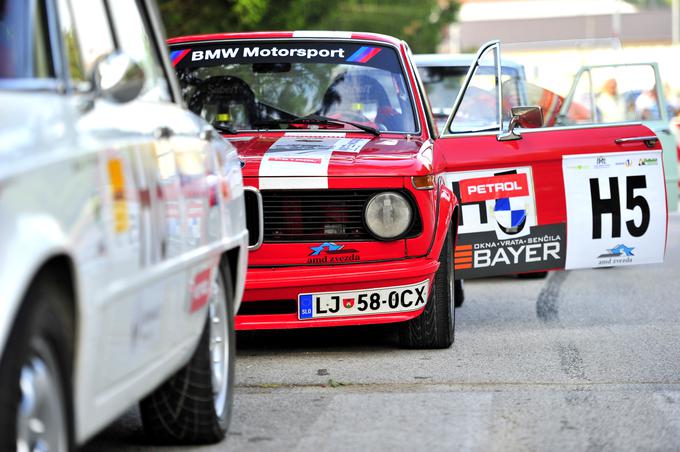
x: 133, y: 254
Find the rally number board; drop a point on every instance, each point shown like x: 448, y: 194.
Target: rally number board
x: 616, y: 209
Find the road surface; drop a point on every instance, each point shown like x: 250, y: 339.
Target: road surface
x: 582, y: 360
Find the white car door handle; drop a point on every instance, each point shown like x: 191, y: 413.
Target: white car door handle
x: 163, y: 132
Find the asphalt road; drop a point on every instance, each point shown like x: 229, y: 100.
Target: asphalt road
x: 583, y: 360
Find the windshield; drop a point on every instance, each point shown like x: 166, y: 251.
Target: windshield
x: 263, y: 85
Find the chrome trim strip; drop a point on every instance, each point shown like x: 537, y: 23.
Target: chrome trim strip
x: 648, y: 140
x: 260, y: 209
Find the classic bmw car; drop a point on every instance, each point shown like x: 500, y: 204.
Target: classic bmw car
x: 360, y: 214
x: 124, y: 246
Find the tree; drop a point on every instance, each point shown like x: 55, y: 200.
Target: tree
x: 419, y: 23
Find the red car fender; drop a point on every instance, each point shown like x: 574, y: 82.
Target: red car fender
x: 447, y: 203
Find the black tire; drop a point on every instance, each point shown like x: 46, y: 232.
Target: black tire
x: 434, y: 327
x: 43, y: 333
x: 182, y: 410
x: 458, y: 293
x: 534, y: 275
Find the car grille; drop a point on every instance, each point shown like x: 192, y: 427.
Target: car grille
x: 252, y: 216
x: 319, y: 215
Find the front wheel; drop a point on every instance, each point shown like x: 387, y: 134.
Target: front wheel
x: 35, y: 397
x: 194, y: 405
x: 434, y: 327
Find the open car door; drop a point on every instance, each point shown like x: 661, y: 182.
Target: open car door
x: 625, y: 93
x: 536, y: 195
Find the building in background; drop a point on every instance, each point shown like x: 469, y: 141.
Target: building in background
x: 551, y: 20
x: 555, y: 37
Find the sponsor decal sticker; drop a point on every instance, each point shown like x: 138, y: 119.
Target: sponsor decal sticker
x: 294, y: 51
x: 121, y: 220
x: 177, y: 55
x: 364, y: 54
x: 332, y: 253
x: 648, y: 161
x: 302, y: 161
x: 616, y: 209
x: 618, y: 251
x: 484, y: 254
x: 317, y: 161
x: 499, y: 201
x: 496, y: 187
x: 200, y: 290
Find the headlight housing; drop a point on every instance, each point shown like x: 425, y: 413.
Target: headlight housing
x: 388, y: 215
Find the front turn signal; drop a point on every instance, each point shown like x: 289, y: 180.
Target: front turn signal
x: 423, y: 182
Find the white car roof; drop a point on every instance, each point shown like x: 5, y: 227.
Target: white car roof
x: 456, y: 59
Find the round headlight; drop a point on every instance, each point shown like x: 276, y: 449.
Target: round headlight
x: 388, y: 215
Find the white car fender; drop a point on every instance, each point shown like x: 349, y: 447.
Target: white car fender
x: 36, y: 239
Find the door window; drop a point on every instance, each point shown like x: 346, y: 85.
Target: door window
x: 24, y: 55
x: 135, y: 40
x: 479, y: 109
x: 71, y: 43
x: 613, y: 94
x: 93, y: 34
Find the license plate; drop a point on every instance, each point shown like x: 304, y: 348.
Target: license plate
x: 362, y: 302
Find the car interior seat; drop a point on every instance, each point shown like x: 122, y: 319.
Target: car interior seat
x: 225, y: 99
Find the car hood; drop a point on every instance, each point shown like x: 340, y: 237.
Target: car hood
x: 332, y: 155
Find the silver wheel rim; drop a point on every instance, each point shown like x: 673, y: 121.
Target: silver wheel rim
x: 41, y: 424
x: 219, y: 345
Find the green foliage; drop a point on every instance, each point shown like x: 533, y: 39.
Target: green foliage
x: 420, y: 23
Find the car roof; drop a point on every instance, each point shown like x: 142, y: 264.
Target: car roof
x: 302, y: 34
x: 456, y: 59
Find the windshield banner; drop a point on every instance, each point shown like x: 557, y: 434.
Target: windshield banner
x: 284, y: 52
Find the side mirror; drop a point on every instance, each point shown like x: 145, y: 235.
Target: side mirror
x: 524, y: 117
x: 117, y: 78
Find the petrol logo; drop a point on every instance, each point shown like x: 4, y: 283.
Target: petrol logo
x: 499, y: 201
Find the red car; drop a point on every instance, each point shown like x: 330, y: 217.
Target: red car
x: 360, y: 214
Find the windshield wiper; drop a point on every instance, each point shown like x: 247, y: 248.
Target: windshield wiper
x: 318, y: 119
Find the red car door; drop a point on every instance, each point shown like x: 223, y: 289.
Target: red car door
x: 547, y: 197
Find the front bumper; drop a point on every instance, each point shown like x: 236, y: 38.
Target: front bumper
x: 270, y: 287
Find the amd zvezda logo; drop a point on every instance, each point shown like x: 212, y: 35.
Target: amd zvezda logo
x: 332, y: 253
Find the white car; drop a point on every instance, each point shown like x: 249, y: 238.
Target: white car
x: 124, y: 245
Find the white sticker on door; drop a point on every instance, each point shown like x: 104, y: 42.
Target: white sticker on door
x: 495, y: 200
x: 616, y: 209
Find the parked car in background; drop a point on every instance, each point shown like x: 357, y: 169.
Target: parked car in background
x: 361, y: 213
x: 124, y: 245
x: 443, y: 76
